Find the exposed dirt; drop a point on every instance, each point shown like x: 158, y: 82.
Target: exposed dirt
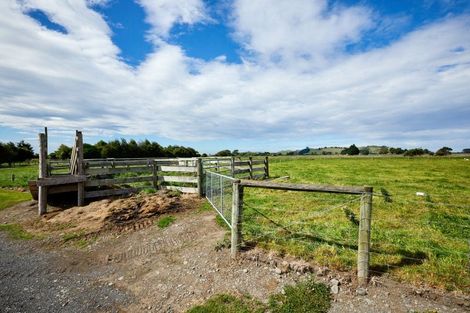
x: 132, y: 265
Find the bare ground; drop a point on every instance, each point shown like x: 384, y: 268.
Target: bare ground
x: 130, y: 265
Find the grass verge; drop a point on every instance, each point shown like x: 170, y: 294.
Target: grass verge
x: 17, y: 176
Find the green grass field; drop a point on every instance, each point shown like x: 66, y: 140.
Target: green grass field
x: 22, y: 173
x: 414, y: 238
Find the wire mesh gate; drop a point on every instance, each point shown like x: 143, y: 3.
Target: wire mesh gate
x: 219, y: 193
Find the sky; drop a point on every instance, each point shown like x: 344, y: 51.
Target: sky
x: 252, y: 75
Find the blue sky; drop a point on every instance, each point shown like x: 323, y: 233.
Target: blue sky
x: 243, y: 74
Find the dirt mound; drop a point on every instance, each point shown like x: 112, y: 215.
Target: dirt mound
x: 109, y: 214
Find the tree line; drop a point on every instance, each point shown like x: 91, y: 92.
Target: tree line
x: 126, y: 149
x: 354, y: 150
x: 15, y: 153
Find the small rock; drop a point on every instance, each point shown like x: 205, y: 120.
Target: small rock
x: 278, y: 271
x: 334, y: 282
x: 284, y: 266
x: 121, y: 278
x: 245, y: 271
x: 361, y: 291
x: 334, y: 289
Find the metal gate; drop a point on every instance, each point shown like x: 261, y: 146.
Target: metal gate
x: 219, y: 193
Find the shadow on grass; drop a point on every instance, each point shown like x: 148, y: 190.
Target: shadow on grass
x: 406, y: 257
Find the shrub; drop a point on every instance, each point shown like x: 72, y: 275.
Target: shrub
x: 444, y: 151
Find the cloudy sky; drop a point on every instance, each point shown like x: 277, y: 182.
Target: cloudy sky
x: 243, y: 74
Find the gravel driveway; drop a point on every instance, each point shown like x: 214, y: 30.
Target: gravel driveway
x: 33, y: 280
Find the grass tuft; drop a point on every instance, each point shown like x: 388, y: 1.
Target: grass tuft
x: 15, y: 231
x: 165, y: 221
x: 305, y: 297
x: 224, y: 303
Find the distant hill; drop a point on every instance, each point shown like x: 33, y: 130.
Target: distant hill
x: 373, y: 149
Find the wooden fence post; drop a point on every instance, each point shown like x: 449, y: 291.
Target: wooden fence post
x: 237, y: 209
x: 363, y: 255
x: 81, y: 171
x: 42, y: 192
x: 154, y: 174
x: 266, y: 167
x: 232, y: 166
x: 200, y: 178
x: 250, y: 164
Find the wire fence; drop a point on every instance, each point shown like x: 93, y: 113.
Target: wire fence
x: 219, y: 193
x: 319, y: 221
x: 411, y: 235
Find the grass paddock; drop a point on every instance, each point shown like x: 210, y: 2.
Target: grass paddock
x: 418, y: 239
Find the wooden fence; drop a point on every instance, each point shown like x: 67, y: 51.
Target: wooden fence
x: 109, y: 177
x: 236, y: 167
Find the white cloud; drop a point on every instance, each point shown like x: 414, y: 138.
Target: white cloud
x: 287, y: 30
x: 164, y: 14
x: 413, y: 91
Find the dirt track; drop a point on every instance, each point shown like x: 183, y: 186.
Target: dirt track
x: 165, y: 270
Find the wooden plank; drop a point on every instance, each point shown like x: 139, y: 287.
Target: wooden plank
x: 257, y: 162
x: 118, y: 162
x: 108, y: 171
x: 186, y: 169
x: 61, y: 189
x: 114, y: 181
x: 200, y: 178
x: 111, y: 192
x: 218, y: 167
x: 241, y: 163
x: 58, y: 167
x: 266, y: 167
x: 178, y: 179
x: 182, y: 189
x: 363, y: 250
x: 42, y: 193
x: 257, y: 169
x: 60, y: 180
x: 303, y: 187
x: 241, y: 170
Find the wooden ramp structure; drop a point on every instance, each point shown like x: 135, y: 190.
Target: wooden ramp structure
x: 71, y: 179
